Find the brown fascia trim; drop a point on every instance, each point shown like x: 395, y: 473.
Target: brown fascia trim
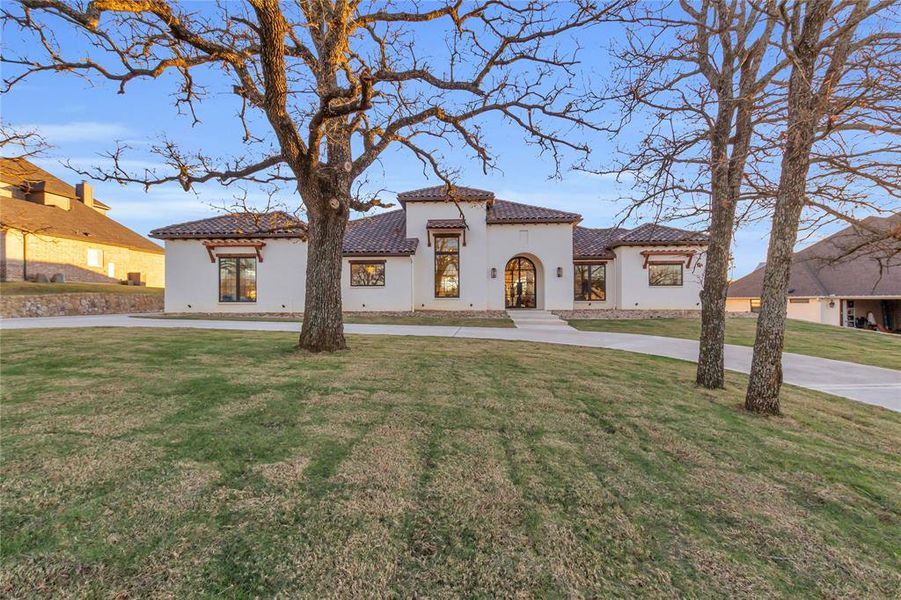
x: 680, y: 243
x: 376, y: 255
x: 371, y: 261
x: 534, y: 222
x: 223, y: 236
x: 592, y: 259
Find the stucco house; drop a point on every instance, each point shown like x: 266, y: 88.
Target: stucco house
x: 48, y: 227
x: 840, y: 280
x: 478, y: 253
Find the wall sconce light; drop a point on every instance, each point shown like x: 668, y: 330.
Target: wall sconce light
x: 493, y: 273
x: 559, y: 271
x: 832, y: 304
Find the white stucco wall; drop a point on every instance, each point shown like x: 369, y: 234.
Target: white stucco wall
x: 396, y: 295
x: 549, y: 246
x: 634, y: 292
x: 473, y: 256
x: 192, y: 281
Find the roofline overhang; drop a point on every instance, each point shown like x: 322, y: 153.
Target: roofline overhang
x: 371, y: 254
x: 87, y: 239
x: 560, y: 221
x: 223, y: 236
x: 680, y: 243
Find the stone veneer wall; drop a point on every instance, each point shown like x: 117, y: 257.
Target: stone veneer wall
x: 59, y: 305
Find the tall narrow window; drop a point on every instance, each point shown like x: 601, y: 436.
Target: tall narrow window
x: 665, y: 274
x: 447, y: 266
x: 237, y: 279
x: 367, y: 274
x: 590, y: 282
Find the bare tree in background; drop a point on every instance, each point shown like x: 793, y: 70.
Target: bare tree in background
x: 840, y: 146
x: 19, y: 142
x: 697, y: 73
x: 338, y: 82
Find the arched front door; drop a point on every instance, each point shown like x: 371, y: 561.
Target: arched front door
x: 520, y: 283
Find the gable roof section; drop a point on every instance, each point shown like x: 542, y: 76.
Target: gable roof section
x: 21, y: 173
x: 276, y: 224
x: 79, y: 223
x: 505, y: 212
x: 384, y: 234
x: 594, y: 243
x: 819, y: 271
x: 654, y: 234
x: 439, y: 193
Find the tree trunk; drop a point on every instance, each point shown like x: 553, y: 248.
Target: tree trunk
x: 766, y: 366
x: 323, y: 324
x: 713, y: 299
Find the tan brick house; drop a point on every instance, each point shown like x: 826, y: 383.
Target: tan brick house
x: 48, y: 227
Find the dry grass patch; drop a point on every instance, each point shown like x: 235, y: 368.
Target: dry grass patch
x: 227, y: 464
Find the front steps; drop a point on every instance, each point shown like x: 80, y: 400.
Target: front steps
x: 530, y: 318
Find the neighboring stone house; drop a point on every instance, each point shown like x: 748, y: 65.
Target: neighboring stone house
x: 841, y: 280
x: 48, y: 226
x: 479, y: 253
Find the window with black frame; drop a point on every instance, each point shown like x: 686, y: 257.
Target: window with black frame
x: 665, y: 274
x: 590, y: 282
x: 447, y: 266
x: 237, y: 279
x: 367, y: 274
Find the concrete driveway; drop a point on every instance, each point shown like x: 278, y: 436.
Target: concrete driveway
x: 862, y: 383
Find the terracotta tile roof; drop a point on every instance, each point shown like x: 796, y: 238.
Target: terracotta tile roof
x: 594, y: 243
x: 276, y: 224
x: 439, y: 193
x: 504, y: 211
x: 445, y: 224
x: 23, y: 173
x: 79, y: 223
x: 839, y: 265
x: 384, y: 234
x: 652, y: 233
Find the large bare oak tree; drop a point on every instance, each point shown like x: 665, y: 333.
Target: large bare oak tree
x: 695, y: 73
x: 338, y: 82
x: 840, y: 146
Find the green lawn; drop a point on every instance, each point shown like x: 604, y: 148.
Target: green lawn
x: 838, y: 343
x: 372, y: 319
x: 188, y: 463
x: 27, y: 288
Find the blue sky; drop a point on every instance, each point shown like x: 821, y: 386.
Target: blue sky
x: 82, y: 119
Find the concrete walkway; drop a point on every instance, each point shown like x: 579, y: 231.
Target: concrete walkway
x: 872, y: 385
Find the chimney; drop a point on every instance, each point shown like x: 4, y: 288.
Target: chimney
x: 85, y: 193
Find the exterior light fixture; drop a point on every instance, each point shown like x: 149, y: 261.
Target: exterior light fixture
x: 559, y: 271
x: 493, y: 273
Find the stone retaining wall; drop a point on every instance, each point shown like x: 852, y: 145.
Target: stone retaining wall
x: 60, y: 305
x: 616, y: 314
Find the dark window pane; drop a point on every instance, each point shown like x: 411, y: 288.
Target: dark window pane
x: 447, y: 244
x: 580, y: 282
x: 237, y: 279
x: 228, y: 279
x: 447, y: 267
x: 367, y: 274
x: 598, y: 282
x: 247, y: 280
x: 662, y: 274
x: 590, y: 282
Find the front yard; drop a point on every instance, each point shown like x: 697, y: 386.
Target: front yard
x: 446, y: 319
x: 801, y: 337
x: 197, y: 463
